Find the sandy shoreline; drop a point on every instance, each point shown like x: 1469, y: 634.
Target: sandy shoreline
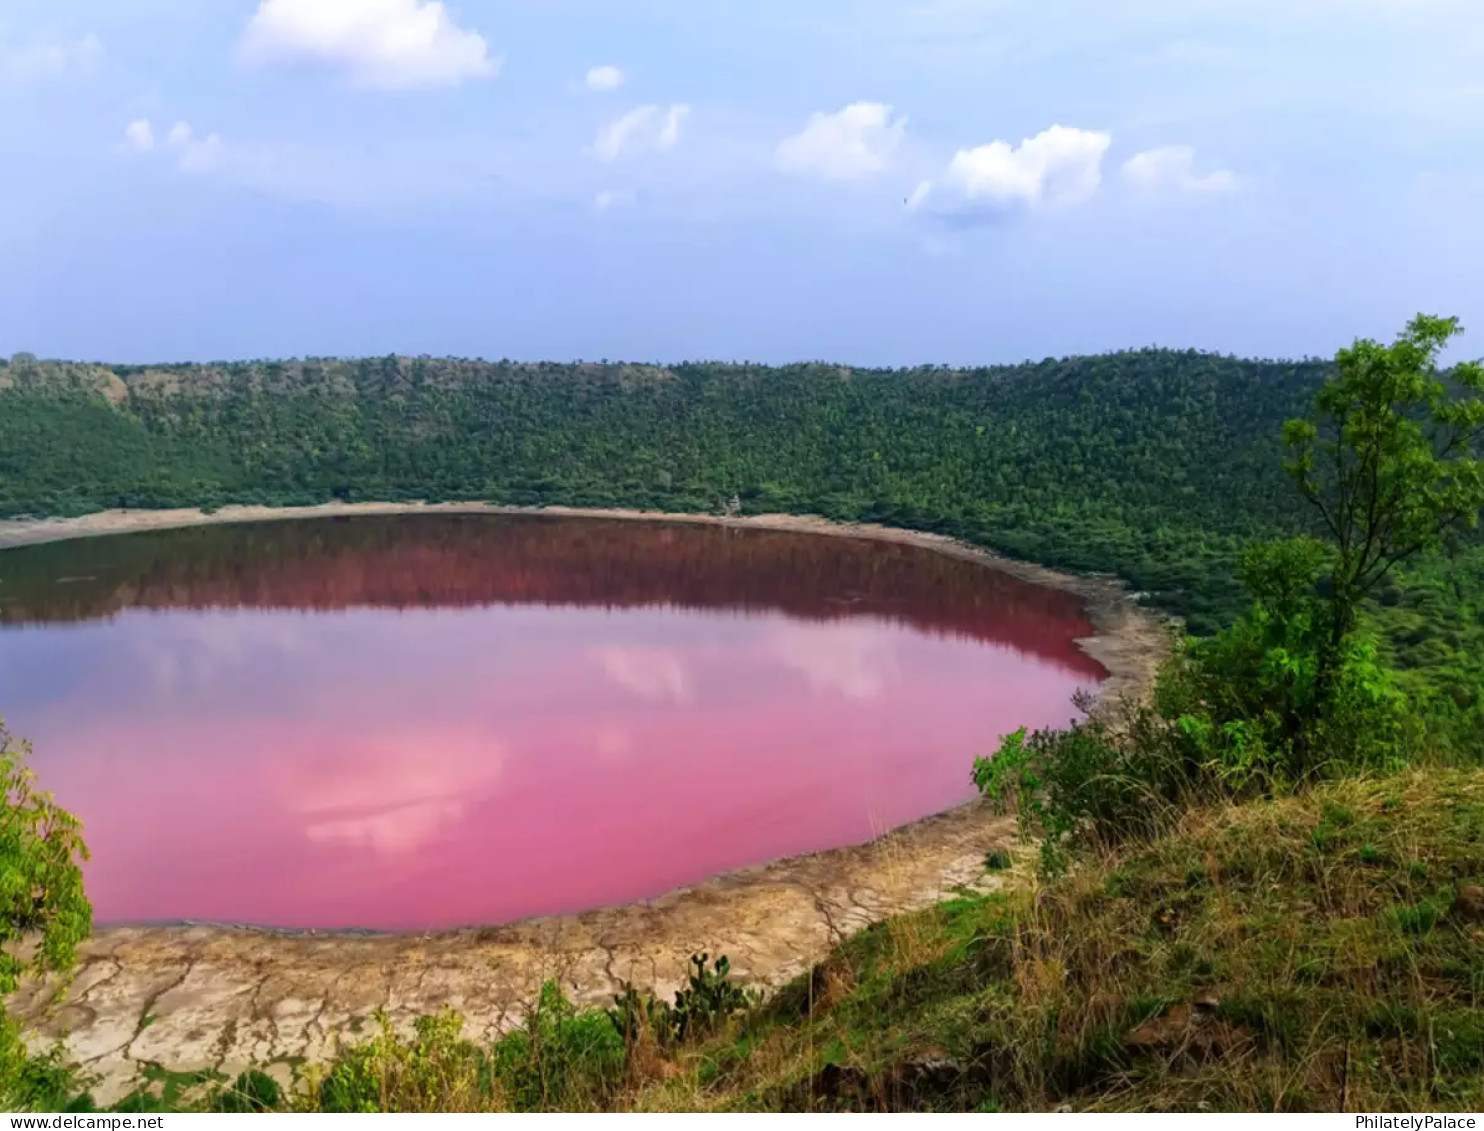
x: 196, y: 997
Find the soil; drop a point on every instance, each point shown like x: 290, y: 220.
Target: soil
x: 192, y: 998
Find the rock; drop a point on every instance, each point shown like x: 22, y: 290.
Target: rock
x: 933, y: 1070
x: 1163, y: 1030
x: 1468, y: 904
x: 1191, y: 1032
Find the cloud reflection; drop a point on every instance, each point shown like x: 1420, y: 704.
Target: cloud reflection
x: 856, y: 661
x: 658, y: 675
x: 183, y: 655
x: 393, y: 795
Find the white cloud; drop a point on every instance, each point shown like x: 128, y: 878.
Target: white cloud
x: 1059, y: 166
x: 644, y: 128
x: 200, y: 156
x: 670, y: 131
x: 612, y: 198
x: 33, y: 62
x: 1170, y: 170
x: 604, y: 79
x: 140, y: 135
x: 855, y: 142
x: 195, y: 155
x: 393, y: 44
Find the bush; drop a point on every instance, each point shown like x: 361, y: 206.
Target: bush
x: 41, y: 899
x: 37, y: 1082
x: 1271, y: 704
x: 1094, y: 783
x: 1253, y: 701
x: 560, y: 1057
x: 251, y: 1092
x: 435, y: 1071
x: 708, y: 998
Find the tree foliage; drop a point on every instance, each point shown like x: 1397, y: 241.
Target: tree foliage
x: 42, y: 906
x: 1392, y: 459
x: 41, y: 889
x: 1293, y: 690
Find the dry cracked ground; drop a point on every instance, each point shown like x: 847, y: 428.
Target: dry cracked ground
x: 185, y: 999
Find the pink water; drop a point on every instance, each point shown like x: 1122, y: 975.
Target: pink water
x: 415, y: 723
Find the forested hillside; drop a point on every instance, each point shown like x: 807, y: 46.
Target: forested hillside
x: 1155, y: 465
x: 1152, y: 463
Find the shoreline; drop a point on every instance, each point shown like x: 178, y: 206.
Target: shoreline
x: 225, y: 997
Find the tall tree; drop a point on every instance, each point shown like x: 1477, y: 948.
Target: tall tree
x: 1390, y: 459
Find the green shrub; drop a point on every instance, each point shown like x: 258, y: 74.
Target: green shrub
x: 435, y: 1071
x: 42, y: 899
x: 37, y: 1081
x: 561, y: 1057
x: 1094, y: 782
x: 708, y: 998
x: 252, y: 1091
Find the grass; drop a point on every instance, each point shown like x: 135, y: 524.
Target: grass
x: 164, y: 1090
x: 1304, y: 954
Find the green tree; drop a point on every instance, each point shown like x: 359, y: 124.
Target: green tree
x: 43, y: 908
x: 1292, y: 691
x: 1390, y: 460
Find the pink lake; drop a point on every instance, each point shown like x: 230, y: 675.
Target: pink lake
x: 410, y: 723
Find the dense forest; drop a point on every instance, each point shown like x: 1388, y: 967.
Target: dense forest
x: 1156, y: 465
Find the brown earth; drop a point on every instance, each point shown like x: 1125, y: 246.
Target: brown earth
x: 184, y: 999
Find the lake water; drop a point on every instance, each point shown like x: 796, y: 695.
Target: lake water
x: 427, y: 721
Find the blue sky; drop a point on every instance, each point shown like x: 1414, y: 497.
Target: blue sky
x: 869, y: 181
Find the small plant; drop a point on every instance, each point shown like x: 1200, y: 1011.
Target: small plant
x: 635, y: 1015
x: 1420, y: 918
x: 997, y: 860
x: 561, y: 1057
x: 42, y: 1081
x: 1090, y: 783
x: 437, y: 1070
x: 251, y: 1092
x: 708, y: 998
